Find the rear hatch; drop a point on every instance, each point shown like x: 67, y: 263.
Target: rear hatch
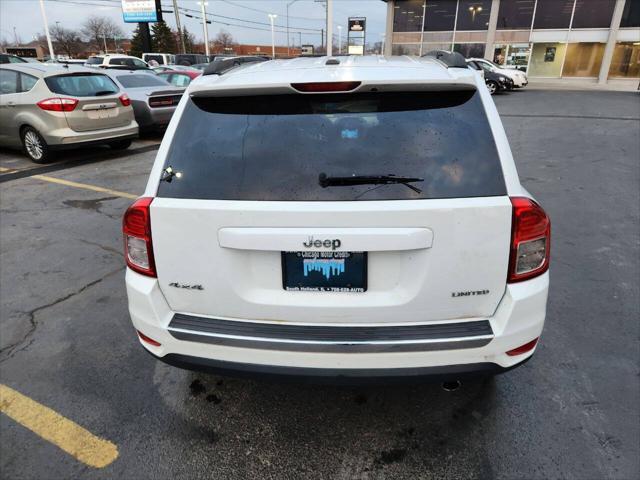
x: 260, y: 220
x: 99, y: 106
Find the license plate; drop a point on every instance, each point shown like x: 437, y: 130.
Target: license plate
x: 324, y: 271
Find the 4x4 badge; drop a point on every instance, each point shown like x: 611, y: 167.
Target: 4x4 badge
x: 186, y: 286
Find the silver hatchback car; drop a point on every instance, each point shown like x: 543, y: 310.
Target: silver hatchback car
x: 48, y: 107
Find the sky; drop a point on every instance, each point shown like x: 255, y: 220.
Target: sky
x: 306, y: 15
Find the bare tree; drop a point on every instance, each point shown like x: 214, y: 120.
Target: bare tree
x: 97, y: 30
x: 66, y: 40
x: 223, y: 40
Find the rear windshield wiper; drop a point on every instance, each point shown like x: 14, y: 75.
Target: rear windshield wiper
x: 326, y: 181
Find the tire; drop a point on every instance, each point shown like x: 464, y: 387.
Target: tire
x: 492, y: 86
x: 121, y: 144
x: 34, y: 146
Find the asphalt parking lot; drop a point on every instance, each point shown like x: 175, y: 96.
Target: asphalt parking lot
x: 571, y: 412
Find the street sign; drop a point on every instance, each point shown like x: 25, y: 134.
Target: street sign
x: 357, y: 24
x: 135, y: 11
x: 357, y: 35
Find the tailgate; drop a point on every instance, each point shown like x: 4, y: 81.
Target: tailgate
x: 427, y: 260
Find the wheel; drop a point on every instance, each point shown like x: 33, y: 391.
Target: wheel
x: 34, y: 146
x: 492, y: 86
x: 121, y: 144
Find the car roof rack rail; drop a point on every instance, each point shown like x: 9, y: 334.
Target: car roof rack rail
x: 223, y: 65
x: 450, y: 59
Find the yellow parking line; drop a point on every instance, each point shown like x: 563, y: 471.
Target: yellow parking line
x: 53, y: 427
x: 5, y: 169
x: 84, y: 186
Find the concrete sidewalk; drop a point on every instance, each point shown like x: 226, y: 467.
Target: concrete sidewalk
x: 582, y: 84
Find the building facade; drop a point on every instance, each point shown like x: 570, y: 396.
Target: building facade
x: 593, y: 40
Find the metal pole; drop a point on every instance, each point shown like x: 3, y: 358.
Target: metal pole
x: 104, y: 39
x: 272, y: 17
x: 455, y: 27
x: 329, y: 28
x: 46, y: 29
x: 424, y: 14
x: 175, y: 9
x: 205, y: 28
x: 288, y: 41
x: 339, y: 39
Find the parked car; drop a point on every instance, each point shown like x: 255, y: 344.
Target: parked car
x: 233, y: 60
x: 519, y: 78
x: 116, y: 60
x: 347, y: 219
x: 161, y: 58
x: 180, y: 68
x: 496, y: 82
x: 187, y: 59
x: 44, y: 108
x: 8, y: 58
x: 154, y: 100
x: 179, y: 78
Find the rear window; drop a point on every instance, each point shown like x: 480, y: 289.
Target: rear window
x: 157, y: 58
x: 275, y: 147
x: 94, y: 61
x: 82, y: 85
x: 141, y: 80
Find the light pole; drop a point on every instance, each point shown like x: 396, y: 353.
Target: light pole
x: 288, y: 42
x: 339, y: 39
x: 272, y: 17
x: 175, y: 9
x: 329, y: 28
x: 204, y: 27
x: 46, y: 29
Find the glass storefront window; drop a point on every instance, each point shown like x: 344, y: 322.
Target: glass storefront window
x: 583, y: 60
x: 626, y: 60
x: 631, y: 14
x: 473, y: 14
x: 546, y: 59
x: 407, y: 16
x: 440, y: 16
x: 515, y: 15
x: 553, y: 14
x: 593, y: 13
x: 515, y: 55
x: 406, y: 49
x: 470, y: 50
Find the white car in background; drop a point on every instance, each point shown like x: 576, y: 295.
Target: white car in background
x: 116, y: 60
x: 346, y: 218
x: 519, y: 78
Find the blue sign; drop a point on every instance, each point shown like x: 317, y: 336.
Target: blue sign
x: 135, y: 11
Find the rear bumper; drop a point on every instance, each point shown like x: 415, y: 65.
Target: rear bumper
x: 335, y: 375
x: 518, y: 319
x: 67, y: 138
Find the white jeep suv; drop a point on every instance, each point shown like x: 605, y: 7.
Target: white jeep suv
x: 519, y: 78
x: 351, y: 217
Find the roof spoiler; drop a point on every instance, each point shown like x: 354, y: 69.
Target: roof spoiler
x: 223, y: 65
x: 450, y: 59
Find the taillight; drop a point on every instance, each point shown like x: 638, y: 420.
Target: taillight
x: 523, y: 348
x: 58, y: 104
x: 136, y: 228
x: 125, y: 100
x: 530, y: 240
x: 317, y: 87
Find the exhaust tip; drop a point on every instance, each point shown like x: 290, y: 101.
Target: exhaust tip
x: 451, y: 386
